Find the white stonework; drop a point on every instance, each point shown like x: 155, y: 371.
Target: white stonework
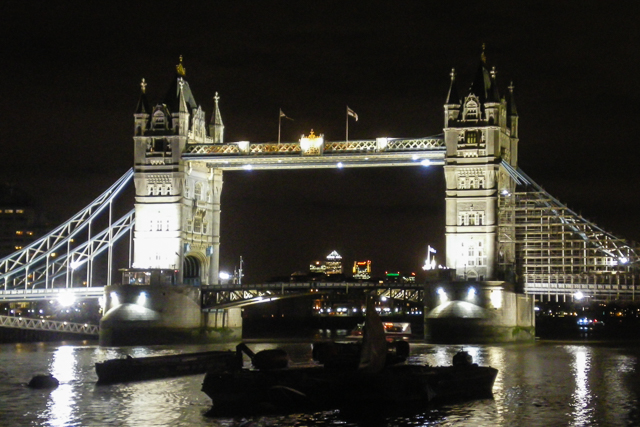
x: 177, y: 203
x: 478, y: 137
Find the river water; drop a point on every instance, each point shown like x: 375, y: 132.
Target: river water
x: 543, y: 384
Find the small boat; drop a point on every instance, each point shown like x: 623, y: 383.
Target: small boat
x: 370, y: 374
x: 392, y: 330
x: 147, y: 368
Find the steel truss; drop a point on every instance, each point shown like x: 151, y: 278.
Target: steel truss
x: 52, y: 256
x: 216, y: 296
x: 48, y: 325
x: 559, y: 253
x: 357, y: 146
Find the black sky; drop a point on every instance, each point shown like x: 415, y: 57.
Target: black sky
x: 70, y: 82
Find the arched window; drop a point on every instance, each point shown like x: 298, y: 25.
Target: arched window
x: 198, y: 191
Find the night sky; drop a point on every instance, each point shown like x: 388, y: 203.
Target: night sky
x: 70, y: 80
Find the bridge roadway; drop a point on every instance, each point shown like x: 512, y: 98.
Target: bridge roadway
x: 234, y: 295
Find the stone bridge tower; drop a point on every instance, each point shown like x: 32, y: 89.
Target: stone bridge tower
x: 177, y: 204
x: 481, y: 136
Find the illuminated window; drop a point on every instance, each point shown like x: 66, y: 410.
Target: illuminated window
x: 29, y: 233
x: 18, y: 247
x: 19, y: 211
x: 8, y: 211
x: 19, y: 233
x: 472, y: 137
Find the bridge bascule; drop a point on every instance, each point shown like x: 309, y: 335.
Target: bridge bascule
x: 500, y: 225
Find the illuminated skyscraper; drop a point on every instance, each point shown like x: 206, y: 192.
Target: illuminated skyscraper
x: 362, y: 270
x: 333, y: 264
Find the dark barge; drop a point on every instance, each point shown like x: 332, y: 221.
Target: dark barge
x: 148, y: 368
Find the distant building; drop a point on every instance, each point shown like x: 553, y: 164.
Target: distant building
x: 317, y: 267
x: 398, y: 278
x: 333, y: 264
x: 20, y: 223
x: 362, y: 270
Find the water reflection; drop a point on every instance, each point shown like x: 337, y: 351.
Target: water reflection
x: 581, y: 399
x: 63, y: 399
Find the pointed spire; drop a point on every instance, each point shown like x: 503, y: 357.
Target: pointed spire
x: 511, y: 102
x: 143, y: 104
x: 180, y: 68
x: 494, y: 95
x: 452, y: 97
x: 216, y: 128
x: 482, y: 83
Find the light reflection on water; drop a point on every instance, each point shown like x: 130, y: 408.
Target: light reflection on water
x: 542, y: 384
x: 62, y: 401
x: 581, y: 400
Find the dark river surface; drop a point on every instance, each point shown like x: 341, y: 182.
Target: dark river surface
x: 549, y: 383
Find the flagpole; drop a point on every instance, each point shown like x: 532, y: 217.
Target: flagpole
x: 279, y: 124
x: 347, y: 137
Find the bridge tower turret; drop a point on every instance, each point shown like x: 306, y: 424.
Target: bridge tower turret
x: 175, y: 218
x: 480, y: 134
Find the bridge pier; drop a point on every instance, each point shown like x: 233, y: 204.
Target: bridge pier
x: 477, y: 312
x: 149, y: 308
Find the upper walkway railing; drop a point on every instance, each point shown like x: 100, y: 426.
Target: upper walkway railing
x: 324, y: 154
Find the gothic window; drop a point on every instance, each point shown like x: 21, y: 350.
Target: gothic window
x: 461, y: 219
x: 472, y: 219
x: 151, y: 189
x: 166, y: 223
x: 151, y: 225
x: 159, y: 225
x: 471, y: 251
x: 462, y: 182
x: 473, y: 183
x: 208, y: 196
x: 471, y: 110
x: 481, y: 218
x: 189, y: 226
x: 204, y: 227
x: 186, y: 188
x: 198, y: 192
x: 481, y: 182
x: 197, y: 225
x: 472, y: 137
x: 159, y: 120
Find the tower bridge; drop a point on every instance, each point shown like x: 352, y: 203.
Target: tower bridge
x: 500, y: 225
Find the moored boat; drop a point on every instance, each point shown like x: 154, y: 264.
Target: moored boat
x: 146, y: 368
x: 373, y: 377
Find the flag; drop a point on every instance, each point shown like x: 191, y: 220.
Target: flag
x: 284, y: 115
x: 352, y: 113
x: 433, y: 251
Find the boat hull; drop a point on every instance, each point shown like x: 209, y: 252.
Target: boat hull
x: 318, y: 388
x: 147, y: 368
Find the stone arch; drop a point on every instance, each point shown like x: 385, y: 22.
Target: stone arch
x: 192, y: 269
